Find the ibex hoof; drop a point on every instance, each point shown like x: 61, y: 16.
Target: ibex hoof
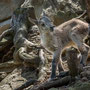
x: 83, y: 64
x: 63, y: 74
x: 52, y: 79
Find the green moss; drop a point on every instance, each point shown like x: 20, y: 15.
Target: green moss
x: 81, y: 86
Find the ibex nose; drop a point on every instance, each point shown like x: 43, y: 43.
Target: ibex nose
x: 52, y: 28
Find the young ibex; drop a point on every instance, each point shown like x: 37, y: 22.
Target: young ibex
x: 55, y: 39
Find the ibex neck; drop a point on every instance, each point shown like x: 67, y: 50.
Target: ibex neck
x: 48, y: 41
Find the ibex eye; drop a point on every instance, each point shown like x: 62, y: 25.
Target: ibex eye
x: 43, y: 24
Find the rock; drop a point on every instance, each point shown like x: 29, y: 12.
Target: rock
x: 60, y: 10
x: 7, y: 7
x: 4, y: 25
x: 16, y: 78
x: 83, y: 74
x: 2, y: 75
x: 5, y: 87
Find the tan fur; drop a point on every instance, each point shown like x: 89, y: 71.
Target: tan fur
x: 67, y: 34
x: 61, y: 35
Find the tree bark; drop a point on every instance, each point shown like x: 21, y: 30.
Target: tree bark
x: 88, y: 8
x: 72, y: 61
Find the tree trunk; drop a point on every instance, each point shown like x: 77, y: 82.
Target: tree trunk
x: 72, y: 61
x: 88, y: 7
x: 54, y: 83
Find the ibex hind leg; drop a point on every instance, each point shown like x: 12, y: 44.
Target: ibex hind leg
x: 83, y: 48
x: 57, y: 63
x: 84, y: 54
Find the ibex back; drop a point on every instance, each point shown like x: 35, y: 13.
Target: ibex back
x: 55, y: 39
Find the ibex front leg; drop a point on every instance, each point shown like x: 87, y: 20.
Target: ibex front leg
x: 55, y: 61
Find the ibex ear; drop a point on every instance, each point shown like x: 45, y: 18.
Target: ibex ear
x: 43, y: 12
x: 33, y: 21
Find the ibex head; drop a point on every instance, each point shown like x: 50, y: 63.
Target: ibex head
x: 44, y: 23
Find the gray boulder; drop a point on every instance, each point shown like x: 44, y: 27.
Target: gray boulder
x: 7, y: 7
x: 58, y: 10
